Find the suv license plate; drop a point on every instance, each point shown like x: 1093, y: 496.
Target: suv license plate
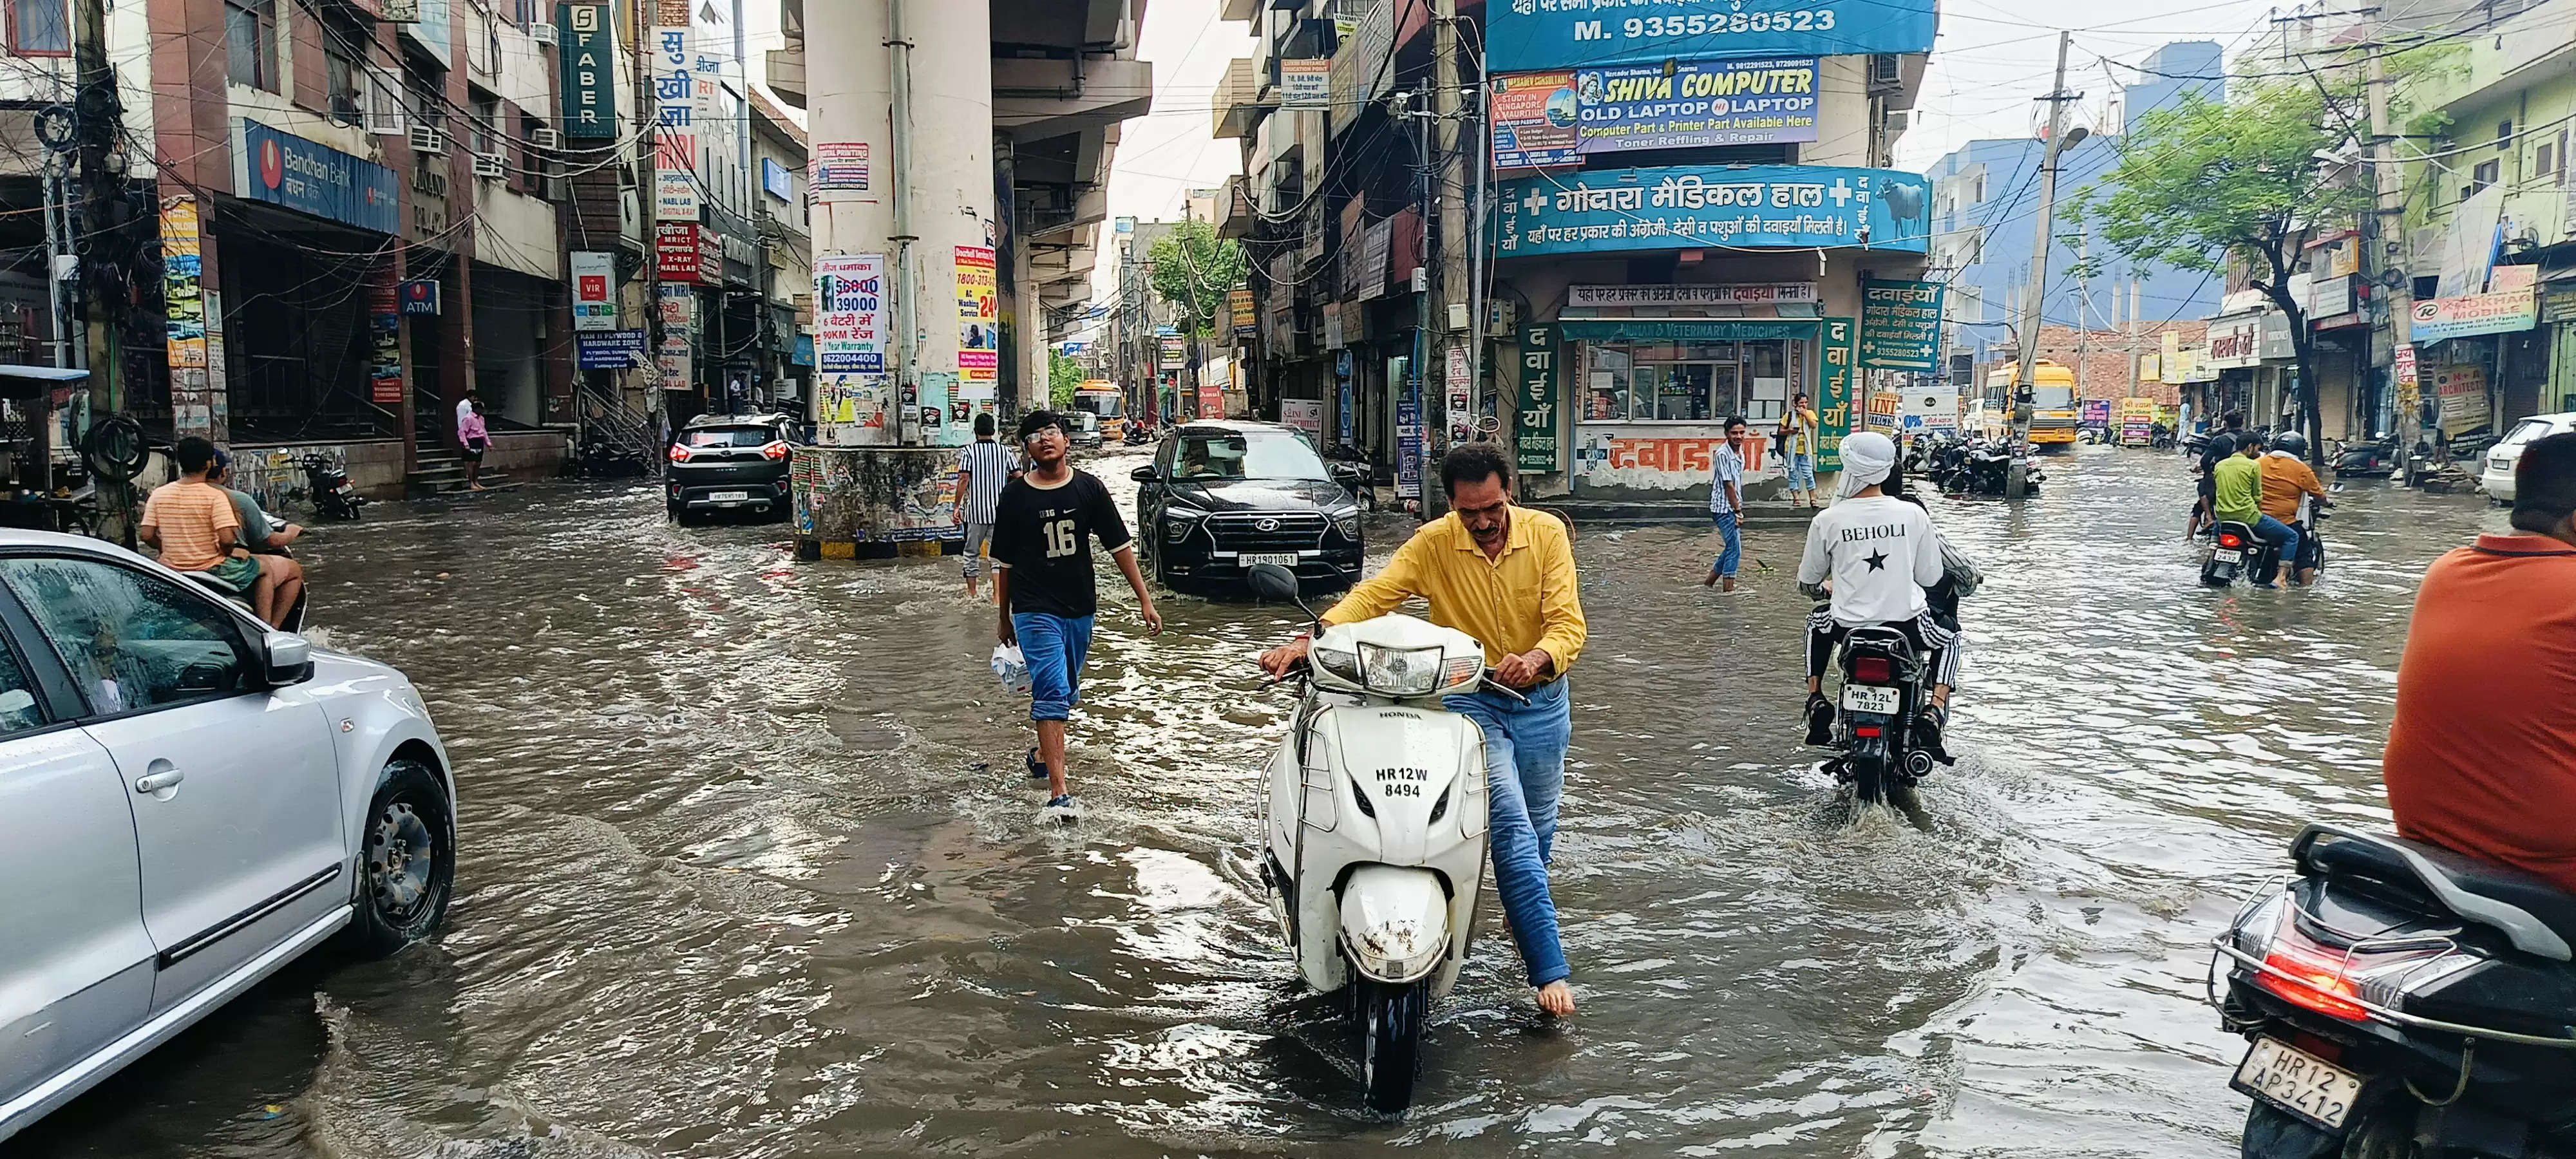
x: 1286, y: 559
x: 2228, y: 556
x: 728, y: 496
x: 2298, y: 1082
x: 1870, y: 698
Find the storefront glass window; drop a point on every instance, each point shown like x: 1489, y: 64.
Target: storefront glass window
x: 1684, y: 381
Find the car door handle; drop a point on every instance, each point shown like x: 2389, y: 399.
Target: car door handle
x: 162, y: 776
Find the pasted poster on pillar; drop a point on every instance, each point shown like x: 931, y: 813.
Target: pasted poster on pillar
x: 849, y: 315
x: 979, y: 323
x: 678, y: 363
x: 1460, y: 398
x: 1538, y: 399
x: 1408, y: 447
x: 594, y: 290
x: 1900, y: 325
x: 840, y: 165
x: 181, y: 274
x: 384, y: 327
x: 1834, y: 381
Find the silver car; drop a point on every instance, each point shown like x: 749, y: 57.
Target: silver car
x: 188, y: 801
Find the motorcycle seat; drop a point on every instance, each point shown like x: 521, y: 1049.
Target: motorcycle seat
x: 2534, y: 914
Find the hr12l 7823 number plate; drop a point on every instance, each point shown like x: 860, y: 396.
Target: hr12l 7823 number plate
x: 2228, y: 556
x: 2298, y: 1082
x: 1870, y: 698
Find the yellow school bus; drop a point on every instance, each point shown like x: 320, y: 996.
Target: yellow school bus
x: 2053, y: 409
x: 1102, y: 397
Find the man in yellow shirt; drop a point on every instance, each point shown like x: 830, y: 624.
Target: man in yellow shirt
x: 1504, y: 575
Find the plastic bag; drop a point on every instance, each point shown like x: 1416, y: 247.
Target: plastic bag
x: 1011, y: 668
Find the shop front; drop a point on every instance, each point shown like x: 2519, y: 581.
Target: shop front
x: 1655, y: 395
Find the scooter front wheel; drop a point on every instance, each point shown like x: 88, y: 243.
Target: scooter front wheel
x: 1391, y: 1023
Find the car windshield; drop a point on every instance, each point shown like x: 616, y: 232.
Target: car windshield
x: 2525, y: 431
x: 1246, y: 455
x: 729, y: 437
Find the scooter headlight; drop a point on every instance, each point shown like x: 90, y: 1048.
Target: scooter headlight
x: 1400, y: 671
x: 1336, y: 663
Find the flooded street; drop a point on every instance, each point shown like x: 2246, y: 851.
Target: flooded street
x: 750, y: 868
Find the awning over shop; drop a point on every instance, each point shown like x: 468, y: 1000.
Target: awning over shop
x: 23, y: 382
x: 1687, y: 329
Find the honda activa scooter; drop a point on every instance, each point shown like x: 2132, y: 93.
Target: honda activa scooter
x: 1374, y: 847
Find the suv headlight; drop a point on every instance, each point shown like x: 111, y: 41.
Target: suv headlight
x: 1178, y: 522
x: 1348, y: 524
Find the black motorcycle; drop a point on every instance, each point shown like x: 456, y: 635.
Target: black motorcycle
x: 1985, y: 470
x: 2235, y: 552
x: 1884, y: 687
x: 2372, y: 460
x: 334, y: 497
x: 2403, y: 1002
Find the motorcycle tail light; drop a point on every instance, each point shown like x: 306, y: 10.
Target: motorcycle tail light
x: 1866, y: 730
x: 2230, y: 541
x: 2335, y: 982
x: 1873, y: 670
x: 774, y: 452
x: 679, y: 454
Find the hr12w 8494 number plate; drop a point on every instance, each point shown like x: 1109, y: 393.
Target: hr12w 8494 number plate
x: 2298, y: 1082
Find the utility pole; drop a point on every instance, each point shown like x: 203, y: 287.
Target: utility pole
x: 101, y: 241
x: 2017, y: 476
x: 1449, y: 280
x: 908, y: 281
x: 2387, y: 263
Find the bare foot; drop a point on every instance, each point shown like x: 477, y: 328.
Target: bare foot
x: 477, y: 487
x: 1556, y: 998
x: 1729, y: 586
x: 1709, y: 582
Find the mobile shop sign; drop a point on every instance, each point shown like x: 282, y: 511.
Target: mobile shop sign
x: 849, y: 319
x: 612, y: 350
x: 1536, y: 34
x: 1900, y: 325
x: 588, y: 50
x: 1554, y: 118
x: 2439, y: 318
x: 1688, y: 207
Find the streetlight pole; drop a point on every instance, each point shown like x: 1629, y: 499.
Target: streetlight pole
x: 2017, y: 476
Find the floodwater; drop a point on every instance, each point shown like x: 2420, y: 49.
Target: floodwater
x: 750, y: 869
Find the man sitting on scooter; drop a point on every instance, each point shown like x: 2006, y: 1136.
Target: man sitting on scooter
x: 2289, y: 486
x: 1879, y: 554
x: 2482, y: 756
x: 1504, y: 575
x: 2238, y: 484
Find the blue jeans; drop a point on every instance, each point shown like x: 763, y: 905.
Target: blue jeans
x: 1733, y: 556
x: 2280, y: 535
x: 1802, y: 472
x: 1055, y: 647
x: 1524, y: 777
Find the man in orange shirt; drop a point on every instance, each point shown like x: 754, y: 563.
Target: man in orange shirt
x: 2482, y: 757
x: 192, y: 524
x: 2287, y: 484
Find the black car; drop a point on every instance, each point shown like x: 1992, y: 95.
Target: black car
x: 1223, y: 496
x: 728, y: 463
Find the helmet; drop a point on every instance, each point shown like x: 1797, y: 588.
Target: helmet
x: 2293, y: 442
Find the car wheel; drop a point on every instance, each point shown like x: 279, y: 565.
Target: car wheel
x: 679, y: 514
x: 406, y: 861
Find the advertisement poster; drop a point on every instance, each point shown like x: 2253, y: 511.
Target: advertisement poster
x: 1555, y: 118
x: 1305, y: 414
x: 849, y: 313
x: 677, y: 362
x: 1929, y: 410
x: 1530, y: 34
x: 678, y: 305
x: 675, y: 251
x: 614, y: 350
x: 1460, y: 397
x: 1342, y: 384
x: 675, y: 96
x: 384, y: 322
x: 1175, y: 353
x: 979, y: 324
x: 2462, y: 393
x: 1408, y: 449
x: 841, y: 165
x: 594, y: 290
x: 1238, y: 308
x: 1697, y: 206
x: 1305, y: 84
x: 2509, y: 306
x: 1537, y: 418
x: 181, y: 282
x: 1900, y: 326
x: 1834, y: 391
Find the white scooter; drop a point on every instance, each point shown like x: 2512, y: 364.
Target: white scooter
x: 1375, y: 840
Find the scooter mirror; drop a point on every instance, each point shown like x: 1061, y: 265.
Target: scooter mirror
x: 1272, y: 582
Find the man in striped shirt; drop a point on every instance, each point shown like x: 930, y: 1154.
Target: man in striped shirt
x: 982, y: 469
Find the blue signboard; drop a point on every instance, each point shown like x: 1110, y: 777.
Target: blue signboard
x: 804, y: 355
x: 1536, y: 34
x: 284, y: 169
x: 1719, y: 206
x: 610, y: 350
x: 420, y: 297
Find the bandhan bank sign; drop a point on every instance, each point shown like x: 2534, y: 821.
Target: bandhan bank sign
x: 283, y: 169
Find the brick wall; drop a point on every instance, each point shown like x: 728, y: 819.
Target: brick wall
x: 2109, y: 357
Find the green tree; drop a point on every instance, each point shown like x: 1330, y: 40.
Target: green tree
x: 1192, y: 270
x: 1064, y: 377
x: 2253, y: 179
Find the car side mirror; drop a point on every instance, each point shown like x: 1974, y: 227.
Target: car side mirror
x: 290, y: 659
x: 1142, y: 474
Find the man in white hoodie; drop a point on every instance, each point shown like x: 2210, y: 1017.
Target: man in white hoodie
x: 1873, y: 554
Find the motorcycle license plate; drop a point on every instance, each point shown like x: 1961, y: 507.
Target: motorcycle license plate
x: 1870, y: 698
x: 1282, y: 558
x: 728, y: 496
x: 2298, y: 1082
x: 2228, y: 556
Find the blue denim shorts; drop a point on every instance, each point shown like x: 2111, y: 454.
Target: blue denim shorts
x: 1055, y: 647
x: 1802, y: 472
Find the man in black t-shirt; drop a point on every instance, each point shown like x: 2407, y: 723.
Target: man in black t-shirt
x: 1042, y: 532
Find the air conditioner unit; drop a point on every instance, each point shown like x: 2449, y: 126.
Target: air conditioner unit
x: 1897, y: 120
x: 491, y: 165
x: 1886, y: 74
x: 542, y: 33
x: 428, y: 139
x: 557, y: 189
x: 545, y: 138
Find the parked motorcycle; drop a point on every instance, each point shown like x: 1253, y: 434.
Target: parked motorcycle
x: 1884, y: 687
x: 1374, y: 844
x: 1137, y: 434
x: 334, y: 497
x: 2371, y: 460
x: 1985, y: 469
x: 2402, y: 1001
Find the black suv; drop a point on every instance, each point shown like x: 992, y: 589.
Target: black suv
x: 1223, y: 496
x: 728, y: 463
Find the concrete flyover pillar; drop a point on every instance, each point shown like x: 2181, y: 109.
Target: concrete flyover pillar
x: 908, y: 338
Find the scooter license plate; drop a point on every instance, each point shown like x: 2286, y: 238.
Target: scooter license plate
x: 1870, y: 698
x: 728, y: 496
x: 2228, y: 556
x: 2298, y: 1082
